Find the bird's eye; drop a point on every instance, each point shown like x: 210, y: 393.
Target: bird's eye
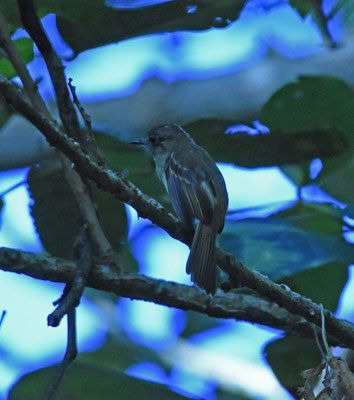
x: 155, y: 140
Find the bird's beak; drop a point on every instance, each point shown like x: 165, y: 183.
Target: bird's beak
x: 139, y: 142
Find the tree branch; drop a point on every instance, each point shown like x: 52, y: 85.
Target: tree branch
x: 84, y: 261
x: 33, y: 26
x: 106, y: 179
x: 90, y: 140
x: 70, y: 355
x: 322, y: 21
x: 127, y: 192
x: 234, y: 305
x: 101, y: 246
x: 2, y: 317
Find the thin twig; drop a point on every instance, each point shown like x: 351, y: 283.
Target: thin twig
x: 68, y: 303
x: 13, y: 187
x: 90, y: 140
x: 323, y: 23
x: 317, y: 340
x: 84, y: 259
x: 101, y: 246
x: 336, y: 8
x: 70, y: 355
x: 2, y: 317
x: 324, y: 335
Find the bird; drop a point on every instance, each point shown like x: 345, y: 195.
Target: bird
x: 197, y: 191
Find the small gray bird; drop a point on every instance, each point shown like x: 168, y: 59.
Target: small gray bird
x: 197, y: 191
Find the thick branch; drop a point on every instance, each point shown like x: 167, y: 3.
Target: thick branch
x: 125, y: 191
x: 232, y: 305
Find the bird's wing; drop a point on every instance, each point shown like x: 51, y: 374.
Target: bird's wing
x: 191, y: 191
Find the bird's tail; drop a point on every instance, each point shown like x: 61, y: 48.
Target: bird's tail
x: 201, y: 264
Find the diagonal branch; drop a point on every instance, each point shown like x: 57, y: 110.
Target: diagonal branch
x: 127, y: 192
x: 90, y: 140
x: 33, y: 26
x: 235, y: 305
x: 106, y: 179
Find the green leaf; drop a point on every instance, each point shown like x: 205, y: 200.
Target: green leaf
x: 6, y: 68
x: 338, y: 180
x: 276, y: 148
x: 77, y: 21
x: 113, y: 25
x: 222, y: 393
x: 301, y: 237
x: 10, y: 10
x: 119, y: 352
x: 127, y: 259
x: 349, y: 211
x: 54, y: 210
x: 197, y: 323
x: 303, y: 7
x: 289, y: 356
x: 323, y: 284
x: 320, y: 103
x: 311, y: 102
x: 298, y: 173
x: 323, y: 218
x: 56, y: 213
x: 90, y: 382
x: 25, y: 48
x: 112, y: 217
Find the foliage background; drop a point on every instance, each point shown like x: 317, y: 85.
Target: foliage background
x: 306, y: 102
